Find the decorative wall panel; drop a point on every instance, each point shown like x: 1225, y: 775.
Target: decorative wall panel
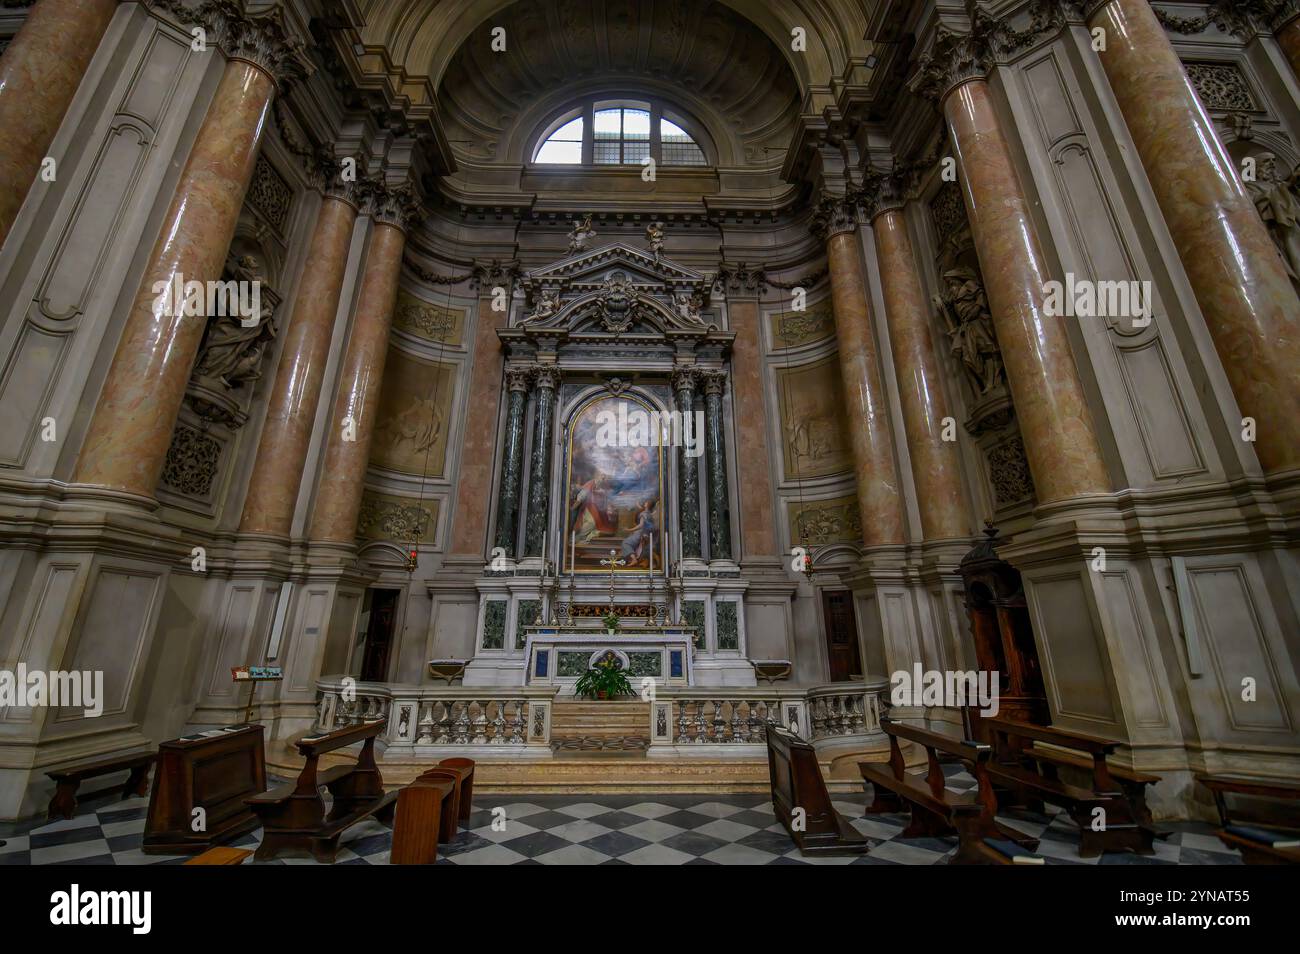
x: 432, y: 321
x: 814, y: 434
x: 398, y: 519
x: 414, y: 415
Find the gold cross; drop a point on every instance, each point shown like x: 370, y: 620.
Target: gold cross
x: 611, y: 563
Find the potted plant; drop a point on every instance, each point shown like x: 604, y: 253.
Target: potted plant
x: 611, y: 620
x: 603, y: 681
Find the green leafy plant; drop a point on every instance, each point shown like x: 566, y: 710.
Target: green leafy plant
x: 611, y: 620
x: 604, y: 680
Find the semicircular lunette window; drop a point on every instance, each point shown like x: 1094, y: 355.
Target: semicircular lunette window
x: 619, y: 135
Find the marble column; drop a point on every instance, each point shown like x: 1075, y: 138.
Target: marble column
x: 936, y: 468
x: 361, y: 375
x: 291, y: 411
x: 546, y: 379
x: 715, y: 446
x: 1055, y: 423
x: 1235, y: 270
x: 512, y: 460
x: 1283, y: 16
x: 130, y: 431
x: 757, y: 531
x: 688, y: 475
x: 880, y: 504
x: 39, y: 74
x: 470, y: 512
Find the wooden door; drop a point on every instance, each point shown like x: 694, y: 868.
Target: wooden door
x: 379, y: 635
x: 841, y: 635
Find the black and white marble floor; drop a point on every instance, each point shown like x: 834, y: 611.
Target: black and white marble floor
x: 603, y: 829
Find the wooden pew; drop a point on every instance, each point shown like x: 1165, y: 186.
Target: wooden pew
x: 221, y: 855
x: 293, y: 815
x: 935, y: 811
x: 1017, y: 772
x: 424, y: 810
x: 69, y: 778
x: 452, y: 811
x: 1263, y: 843
x: 1132, y: 782
x: 797, y: 783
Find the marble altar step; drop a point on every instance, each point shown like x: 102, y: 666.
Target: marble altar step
x: 557, y: 774
x: 572, y: 720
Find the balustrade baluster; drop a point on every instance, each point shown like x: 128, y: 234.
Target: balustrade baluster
x: 480, y: 723
x: 460, y: 734
x: 701, y: 727
x: 683, y: 724
x: 517, y: 724
x: 499, y: 725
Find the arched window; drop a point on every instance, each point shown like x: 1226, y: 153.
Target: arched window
x: 618, y: 133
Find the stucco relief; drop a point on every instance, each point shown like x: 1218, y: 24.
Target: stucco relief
x: 814, y: 438
x: 414, y: 414
x: 429, y: 320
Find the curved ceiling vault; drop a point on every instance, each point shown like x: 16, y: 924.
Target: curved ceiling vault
x: 717, y: 67
x: 422, y: 36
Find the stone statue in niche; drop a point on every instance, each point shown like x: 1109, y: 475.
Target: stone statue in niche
x: 654, y: 234
x: 1278, y: 200
x: 548, y: 303
x: 232, y: 349
x: 969, y: 325
x: 581, y: 235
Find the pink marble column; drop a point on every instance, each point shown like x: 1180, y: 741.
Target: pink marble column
x: 936, y: 470
x: 1055, y: 423
x: 39, y: 74
x: 879, y: 501
x: 347, y: 449
x: 1288, y: 37
x: 758, y: 535
x: 286, y: 435
x: 1235, y: 270
x: 127, y: 440
x: 129, y: 434
x: 473, y: 495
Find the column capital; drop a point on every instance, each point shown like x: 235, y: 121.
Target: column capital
x: 488, y: 272
x: 955, y: 57
x: 833, y: 214
x: 518, y: 379
x: 545, y: 377
x: 741, y: 279
x: 685, y: 378
x: 712, y: 382
x: 396, y: 205
x: 260, y: 38
x: 885, y: 192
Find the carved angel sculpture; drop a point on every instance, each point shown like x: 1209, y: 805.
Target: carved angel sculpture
x: 966, y: 315
x: 581, y: 235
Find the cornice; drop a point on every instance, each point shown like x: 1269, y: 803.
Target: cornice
x: 263, y: 39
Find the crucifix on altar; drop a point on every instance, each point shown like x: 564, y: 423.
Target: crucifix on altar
x: 612, y: 562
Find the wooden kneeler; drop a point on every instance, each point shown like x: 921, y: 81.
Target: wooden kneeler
x: 466, y: 785
x: 421, y: 807
x: 451, y: 810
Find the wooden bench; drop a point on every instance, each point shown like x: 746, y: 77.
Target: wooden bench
x: 1258, y: 843
x: 1132, y: 782
x: 797, y: 784
x: 935, y: 811
x: 466, y: 785
x: 221, y: 855
x: 293, y: 815
x: 68, y: 779
x: 424, y: 810
x: 1017, y: 772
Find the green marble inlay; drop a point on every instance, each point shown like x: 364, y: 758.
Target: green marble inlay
x: 693, y: 614
x: 494, y: 624
x: 644, y: 664
x: 528, y: 610
x: 572, y: 664
x: 728, y: 626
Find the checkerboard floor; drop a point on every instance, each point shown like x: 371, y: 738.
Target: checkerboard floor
x: 606, y: 829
